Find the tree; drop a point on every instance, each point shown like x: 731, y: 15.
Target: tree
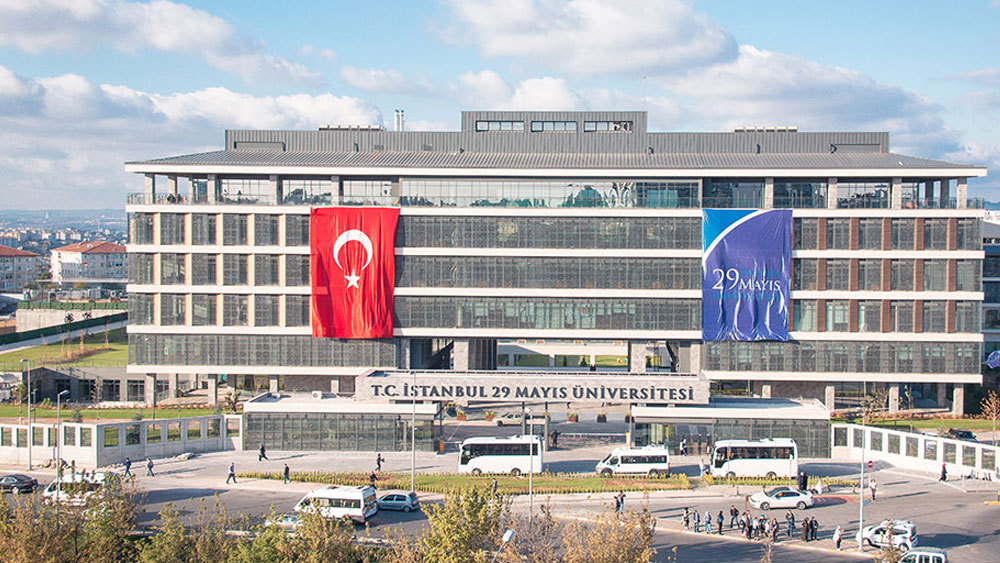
x: 909, y: 402
x: 465, y: 527
x: 171, y: 544
x: 873, y: 403
x: 611, y: 538
x: 990, y: 406
x: 109, y: 516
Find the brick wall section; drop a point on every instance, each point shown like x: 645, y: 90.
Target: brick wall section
x: 951, y: 273
x: 821, y: 315
x: 852, y: 271
x: 821, y: 274
x: 953, y: 233
x: 918, y: 275
x: 821, y: 233
x: 852, y: 315
x: 949, y: 317
x: 886, y: 233
x: 855, y: 233
x: 918, y: 316
x: 886, y: 316
x: 886, y: 274
x: 918, y: 234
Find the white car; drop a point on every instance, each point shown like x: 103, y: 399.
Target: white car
x: 399, y: 501
x: 782, y: 497
x: 902, y: 532
x: 287, y: 522
x: 925, y: 555
x: 513, y: 418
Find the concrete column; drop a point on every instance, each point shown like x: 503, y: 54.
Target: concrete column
x: 335, y: 190
x: 768, y: 193
x: 593, y: 360
x: 173, y: 386
x: 149, y: 188
x: 830, y: 397
x: 552, y: 360
x: 460, y: 355
x: 765, y: 390
x: 893, y: 398
x: 149, y: 389
x: 961, y: 193
x: 335, y: 385
x: 276, y: 187
x: 831, y: 193
x: 942, y: 394
x: 945, y: 193
x: 958, y: 399
x: 637, y: 356
x: 213, y: 388
x: 272, y: 383
x: 212, y: 189
x: 896, y: 194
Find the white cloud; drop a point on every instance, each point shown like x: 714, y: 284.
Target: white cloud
x: 489, y: 91
x: 74, y: 25
x: 482, y: 90
x: 321, y: 52
x: 983, y: 76
x: 593, y: 36
x: 65, y: 138
x: 384, y: 81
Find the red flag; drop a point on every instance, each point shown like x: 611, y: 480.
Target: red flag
x: 353, y: 271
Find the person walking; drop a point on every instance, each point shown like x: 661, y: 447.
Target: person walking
x: 686, y: 518
x: 871, y: 487
x: 805, y: 530
x: 814, y: 529
x: 697, y: 521
x: 774, y: 530
x: 262, y: 453
x: 371, y: 479
x: 944, y: 472
x: 838, y: 536
x: 378, y: 461
x: 790, y: 517
x: 232, y: 473
x: 493, y: 487
x: 734, y: 514
x: 684, y: 446
x: 286, y: 474
x: 621, y: 502
x: 708, y: 522
x: 128, y: 467
x: 149, y: 467
x: 720, y: 519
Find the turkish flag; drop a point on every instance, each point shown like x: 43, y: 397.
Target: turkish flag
x: 353, y: 271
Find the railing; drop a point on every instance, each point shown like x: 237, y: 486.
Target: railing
x: 939, y: 203
x: 71, y: 305
x: 60, y: 329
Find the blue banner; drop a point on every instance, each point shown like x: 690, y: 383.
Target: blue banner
x: 746, y: 274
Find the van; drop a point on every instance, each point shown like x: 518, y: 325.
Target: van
x: 339, y: 501
x: 925, y: 555
x: 649, y: 460
x: 77, y: 488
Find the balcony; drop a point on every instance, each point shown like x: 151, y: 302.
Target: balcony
x: 939, y: 203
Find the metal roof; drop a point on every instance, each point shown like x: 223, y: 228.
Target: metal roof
x: 466, y: 159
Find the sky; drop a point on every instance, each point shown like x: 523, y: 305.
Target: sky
x: 86, y: 85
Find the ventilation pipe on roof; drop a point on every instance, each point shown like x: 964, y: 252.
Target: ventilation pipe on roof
x: 398, y: 122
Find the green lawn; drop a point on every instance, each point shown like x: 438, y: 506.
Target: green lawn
x: 543, y: 483
x: 94, y: 352
x: 13, y: 411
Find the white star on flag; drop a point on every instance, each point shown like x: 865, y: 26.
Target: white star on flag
x: 352, y: 280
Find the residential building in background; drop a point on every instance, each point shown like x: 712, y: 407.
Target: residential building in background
x: 18, y: 268
x: 99, y: 263
x: 561, y: 227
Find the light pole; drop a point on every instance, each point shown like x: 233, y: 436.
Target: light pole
x: 28, y: 390
x: 59, y: 438
x: 861, y: 483
x: 531, y: 466
x: 413, y: 433
x: 507, y: 536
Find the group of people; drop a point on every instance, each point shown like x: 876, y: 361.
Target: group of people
x: 620, y: 502
x: 751, y: 527
x: 127, y: 464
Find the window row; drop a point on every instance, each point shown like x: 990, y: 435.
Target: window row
x: 205, y: 309
x: 869, y: 234
x: 841, y: 315
x: 867, y: 274
x: 205, y: 269
x: 549, y: 193
x: 246, y: 350
x: 844, y: 357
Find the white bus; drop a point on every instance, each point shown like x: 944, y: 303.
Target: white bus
x: 514, y: 455
x: 336, y: 501
x: 771, y: 457
x: 649, y: 460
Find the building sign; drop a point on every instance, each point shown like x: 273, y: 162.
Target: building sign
x: 518, y: 388
x: 746, y: 274
x: 353, y: 271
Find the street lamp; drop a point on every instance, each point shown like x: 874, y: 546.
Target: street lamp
x: 861, y: 480
x: 531, y: 465
x: 28, y: 392
x: 507, y: 536
x: 413, y: 433
x: 59, y: 438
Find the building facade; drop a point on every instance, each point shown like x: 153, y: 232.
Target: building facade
x: 18, y: 268
x: 91, y: 262
x: 562, y: 226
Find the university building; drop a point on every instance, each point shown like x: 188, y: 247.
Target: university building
x: 570, y: 227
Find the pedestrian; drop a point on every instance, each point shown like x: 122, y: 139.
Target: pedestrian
x: 232, y: 473
x: 371, y: 479
x: 774, y: 529
x: 838, y: 536
x: 684, y: 446
x: 814, y: 529
x: 701, y: 467
x: 803, y: 481
x: 493, y: 487
x: 719, y: 520
x: 149, y: 467
x: 734, y: 514
x: 286, y: 474
x: 72, y: 468
x: 871, y: 487
x: 128, y: 467
x: 944, y: 472
x: 262, y: 454
x: 621, y: 502
x: 708, y: 522
x: 819, y: 486
x: 697, y: 521
x: 805, y: 529
x: 686, y: 518
x: 378, y: 461
x: 790, y: 517
x: 555, y: 438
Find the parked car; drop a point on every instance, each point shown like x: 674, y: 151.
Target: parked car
x: 17, y: 483
x: 513, y: 418
x: 925, y: 555
x: 961, y: 434
x: 288, y: 522
x: 782, y: 497
x: 902, y: 532
x: 399, y: 501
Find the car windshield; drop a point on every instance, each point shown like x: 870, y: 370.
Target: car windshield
x: 775, y: 491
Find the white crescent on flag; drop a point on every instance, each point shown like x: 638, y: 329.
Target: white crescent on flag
x: 344, y: 238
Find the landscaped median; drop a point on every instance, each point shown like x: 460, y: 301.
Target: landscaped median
x: 776, y: 482
x: 543, y: 483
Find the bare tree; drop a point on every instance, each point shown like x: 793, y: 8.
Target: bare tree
x: 908, y: 401
x: 990, y: 406
x: 873, y: 404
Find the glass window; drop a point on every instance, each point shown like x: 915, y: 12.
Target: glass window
x: 140, y: 308
x: 136, y: 390
x: 234, y: 310
x: 539, y: 126
x: 234, y: 229
x: 203, y: 310
x: 140, y: 268
x: 297, y: 310
x: 141, y: 228
x: 248, y: 191
x: 265, y: 230
x: 805, y: 234
x: 804, y: 273
x: 902, y: 275
x: 739, y: 194
x: 171, y: 228
x: 902, y: 234
x: 934, y: 275
x: 609, y: 126
x: 991, y: 292
x: 204, y: 269
x: 802, y: 194
x: 934, y: 316
x: 69, y: 436
x: 172, y: 309
x: 265, y: 310
x: 967, y: 317
x: 111, y: 437
x: 836, y: 315
x: 838, y: 234
x: 838, y: 274
x: 870, y: 234
x: 804, y: 315
x: 935, y: 234
x: 901, y: 316
x: 308, y: 192
x: 297, y: 269
x: 296, y: 230
x: 172, y: 269
x: 667, y: 194
x: 970, y: 234
x: 869, y: 275
x: 266, y: 269
x: 203, y: 228
x: 967, y: 275
x: 870, y: 316
x: 488, y: 125
x: 862, y: 195
x: 234, y: 269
